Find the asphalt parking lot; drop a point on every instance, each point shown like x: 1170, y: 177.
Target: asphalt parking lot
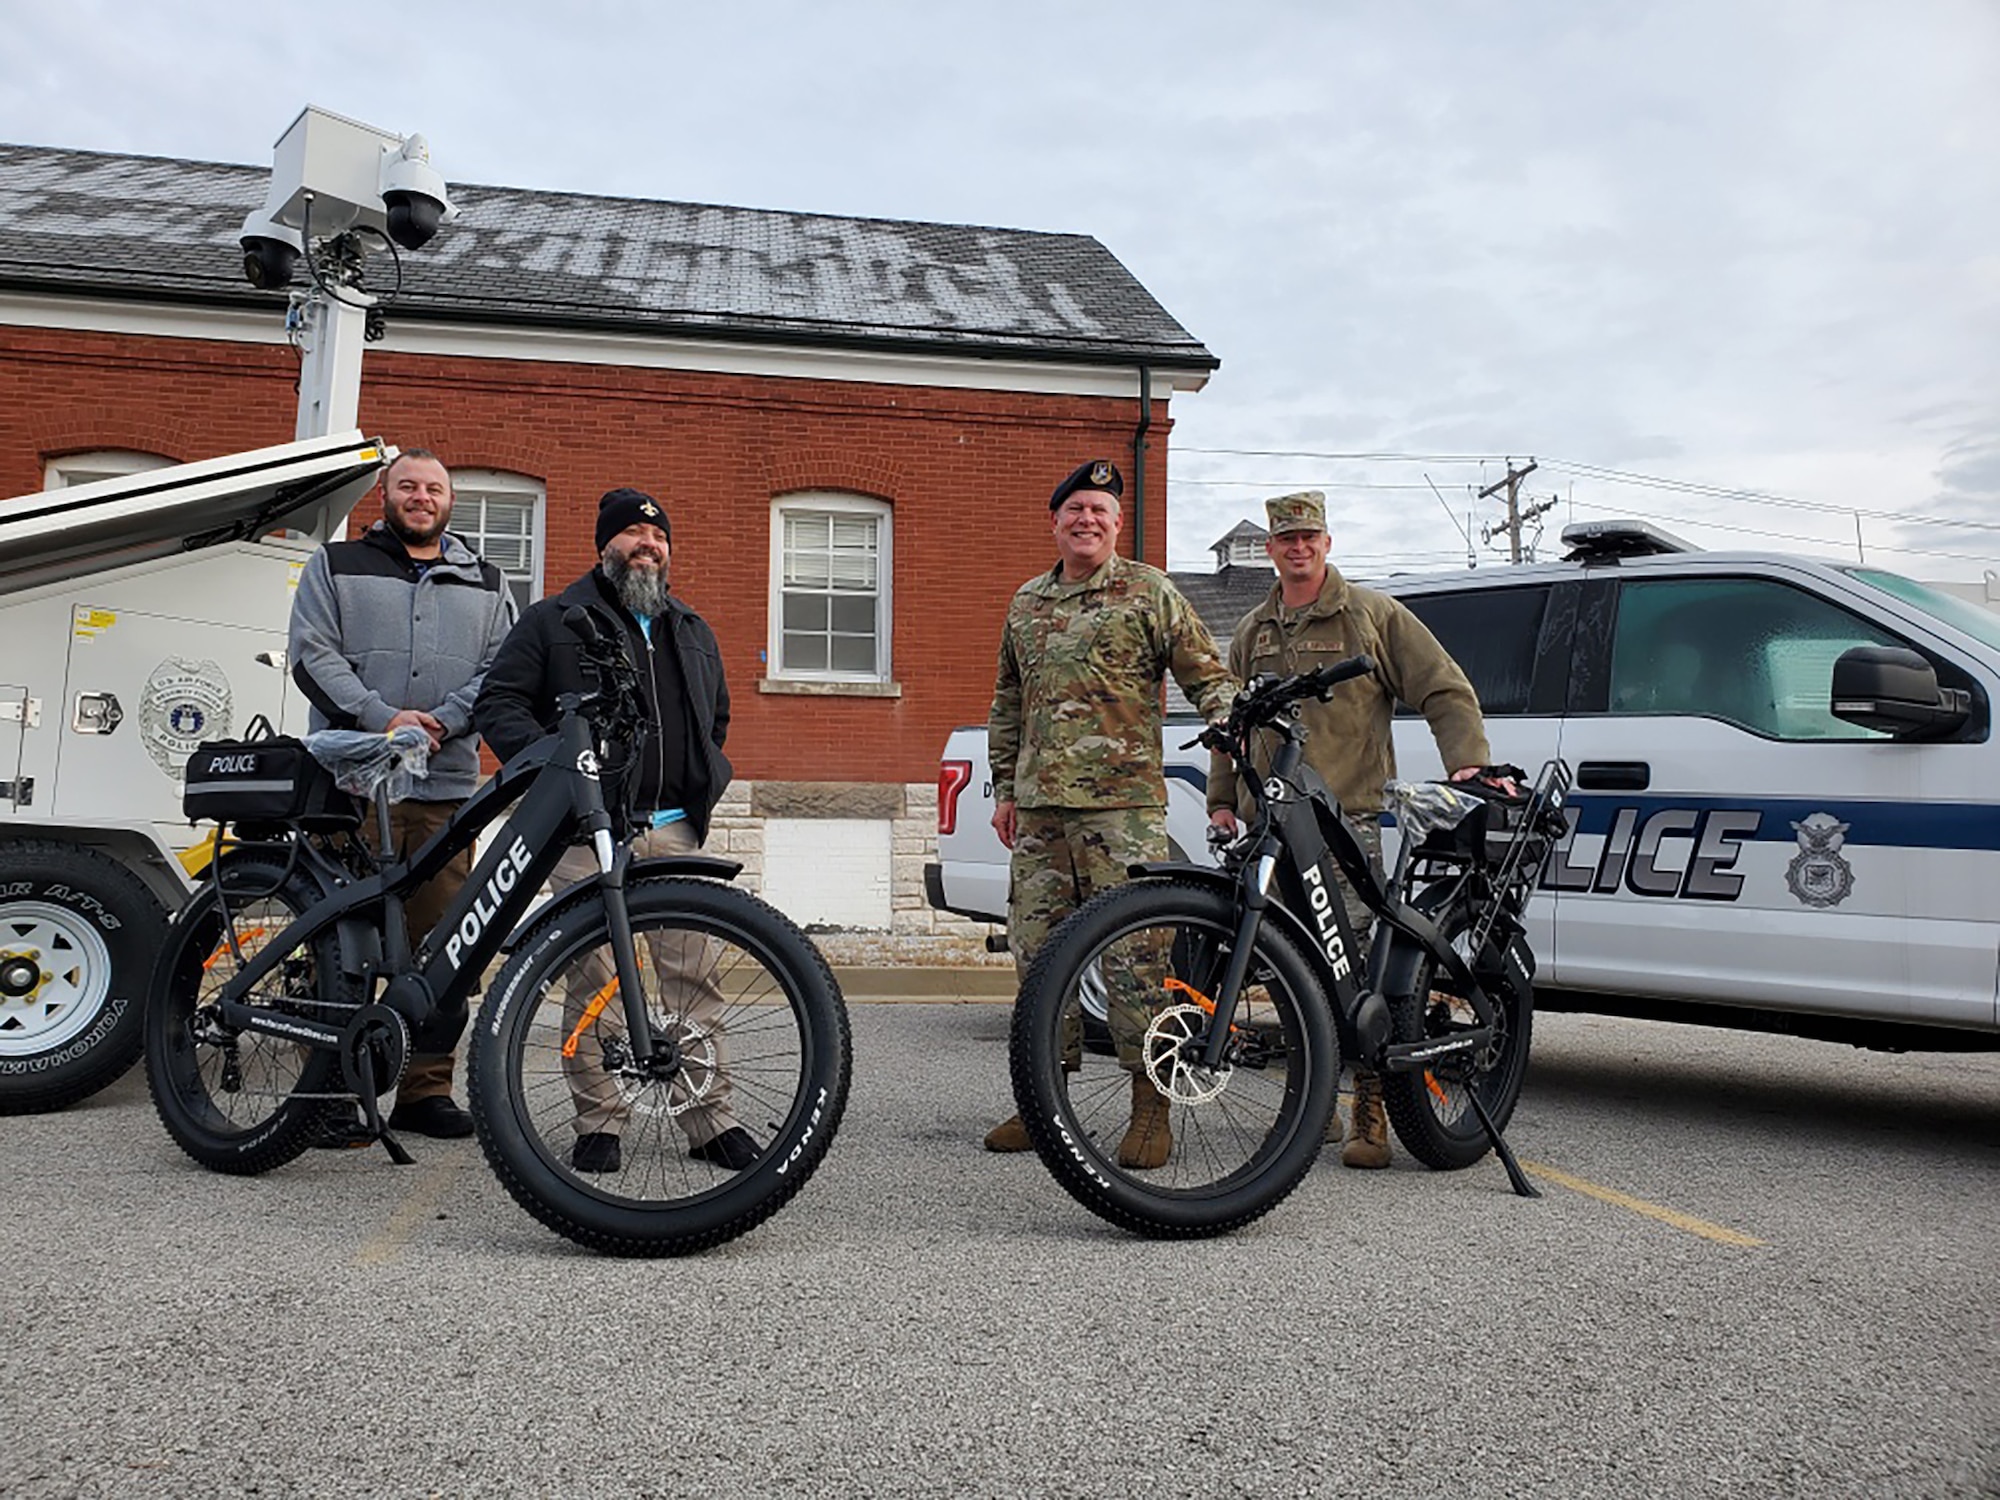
x: 1761, y: 1267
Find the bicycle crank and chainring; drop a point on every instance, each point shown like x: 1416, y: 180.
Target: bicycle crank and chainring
x: 383, y: 1037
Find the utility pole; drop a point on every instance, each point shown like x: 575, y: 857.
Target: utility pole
x: 1512, y: 485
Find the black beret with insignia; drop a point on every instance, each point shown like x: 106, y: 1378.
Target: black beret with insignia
x: 624, y: 507
x: 1094, y: 474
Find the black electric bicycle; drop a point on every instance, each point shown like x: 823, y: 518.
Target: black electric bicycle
x: 1240, y: 988
x: 288, y: 991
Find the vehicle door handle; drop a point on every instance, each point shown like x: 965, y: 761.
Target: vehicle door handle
x: 1614, y: 775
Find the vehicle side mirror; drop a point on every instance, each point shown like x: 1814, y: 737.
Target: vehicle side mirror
x: 1894, y: 689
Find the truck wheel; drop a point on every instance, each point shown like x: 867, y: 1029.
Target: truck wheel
x: 77, y: 936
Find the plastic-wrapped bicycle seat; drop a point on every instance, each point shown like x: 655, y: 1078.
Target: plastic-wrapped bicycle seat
x: 1426, y: 807
x: 360, y: 761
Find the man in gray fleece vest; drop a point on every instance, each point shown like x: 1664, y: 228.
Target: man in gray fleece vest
x: 399, y: 628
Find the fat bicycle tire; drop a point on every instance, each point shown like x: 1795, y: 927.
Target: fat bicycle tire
x: 782, y: 1044
x: 1430, y: 1111
x: 1238, y: 1151
x: 252, y: 1102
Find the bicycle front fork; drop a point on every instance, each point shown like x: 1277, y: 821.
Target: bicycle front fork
x: 612, y: 862
x: 1255, y: 888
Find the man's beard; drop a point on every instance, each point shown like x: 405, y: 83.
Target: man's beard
x: 641, y: 590
x: 411, y: 536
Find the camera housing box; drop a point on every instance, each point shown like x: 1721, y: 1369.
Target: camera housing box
x: 338, y: 161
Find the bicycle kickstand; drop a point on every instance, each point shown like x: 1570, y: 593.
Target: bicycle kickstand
x: 1522, y: 1187
x: 371, y: 1111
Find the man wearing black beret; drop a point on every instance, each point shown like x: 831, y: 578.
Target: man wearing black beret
x: 675, y: 777
x: 1079, y: 791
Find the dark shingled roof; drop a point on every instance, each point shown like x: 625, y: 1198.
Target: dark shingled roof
x: 155, y: 228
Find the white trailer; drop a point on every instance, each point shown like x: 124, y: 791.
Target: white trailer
x: 139, y: 616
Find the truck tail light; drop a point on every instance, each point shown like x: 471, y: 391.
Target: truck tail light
x: 953, y: 777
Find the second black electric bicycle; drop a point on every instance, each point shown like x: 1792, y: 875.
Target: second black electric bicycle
x: 1240, y: 989
x: 645, y: 1004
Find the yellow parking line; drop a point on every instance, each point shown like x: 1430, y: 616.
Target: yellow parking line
x: 418, y: 1204
x: 1665, y: 1215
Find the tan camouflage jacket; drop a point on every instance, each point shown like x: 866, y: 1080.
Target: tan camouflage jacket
x: 1348, y: 738
x: 1076, y: 702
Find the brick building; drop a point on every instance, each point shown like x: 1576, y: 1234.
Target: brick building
x: 854, y: 425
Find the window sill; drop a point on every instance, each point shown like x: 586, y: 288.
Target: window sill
x: 802, y: 687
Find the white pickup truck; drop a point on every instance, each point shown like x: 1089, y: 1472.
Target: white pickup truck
x: 1784, y: 814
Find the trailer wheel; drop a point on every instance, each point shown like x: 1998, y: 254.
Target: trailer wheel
x: 77, y: 936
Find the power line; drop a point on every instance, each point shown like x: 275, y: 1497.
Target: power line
x: 1278, y: 485
x: 1400, y: 458
x: 1759, y: 497
x: 1782, y: 536
x: 1616, y: 476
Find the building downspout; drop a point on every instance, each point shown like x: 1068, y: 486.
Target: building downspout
x: 1139, y: 462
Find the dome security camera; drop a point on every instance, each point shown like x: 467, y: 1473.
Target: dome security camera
x: 270, y: 251
x: 413, y: 194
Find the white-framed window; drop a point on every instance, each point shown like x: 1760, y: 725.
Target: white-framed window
x: 830, y: 572
x: 501, y: 517
x: 73, y: 469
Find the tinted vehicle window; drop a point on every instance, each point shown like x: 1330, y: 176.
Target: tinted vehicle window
x: 1749, y: 651
x: 1491, y: 634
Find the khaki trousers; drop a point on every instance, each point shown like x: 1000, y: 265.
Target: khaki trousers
x: 687, y: 999
x: 410, y: 824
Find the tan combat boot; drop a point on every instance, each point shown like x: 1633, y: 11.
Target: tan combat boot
x: 1148, y: 1138
x: 1009, y: 1135
x: 1368, y: 1146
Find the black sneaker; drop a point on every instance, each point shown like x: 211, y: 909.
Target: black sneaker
x: 595, y: 1152
x: 734, y: 1149
x: 436, y: 1116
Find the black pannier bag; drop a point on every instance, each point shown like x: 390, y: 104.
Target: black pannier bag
x: 265, y: 779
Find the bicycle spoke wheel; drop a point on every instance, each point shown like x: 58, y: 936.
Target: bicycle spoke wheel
x: 747, y: 1080
x: 239, y: 1102
x: 1238, y: 1137
x: 1432, y: 1110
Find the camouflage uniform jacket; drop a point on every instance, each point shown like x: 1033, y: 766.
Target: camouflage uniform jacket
x: 1076, y: 702
x: 1348, y: 738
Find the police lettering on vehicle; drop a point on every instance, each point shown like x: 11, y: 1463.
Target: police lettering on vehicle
x: 1629, y: 857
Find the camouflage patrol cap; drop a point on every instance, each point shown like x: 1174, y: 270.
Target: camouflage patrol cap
x: 1092, y: 474
x: 1303, y: 511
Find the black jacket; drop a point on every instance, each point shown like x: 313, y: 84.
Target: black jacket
x: 539, y: 660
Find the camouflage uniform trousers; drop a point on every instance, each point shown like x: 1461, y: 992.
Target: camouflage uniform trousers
x: 1062, y: 857
x: 684, y: 965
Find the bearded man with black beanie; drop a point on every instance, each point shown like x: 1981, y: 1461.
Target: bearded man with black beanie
x: 675, y: 776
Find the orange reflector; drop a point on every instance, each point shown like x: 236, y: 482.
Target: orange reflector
x: 241, y: 938
x: 590, y: 1013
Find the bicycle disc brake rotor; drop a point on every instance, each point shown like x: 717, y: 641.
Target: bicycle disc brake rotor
x: 694, y: 1077
x: 1171, y: 1059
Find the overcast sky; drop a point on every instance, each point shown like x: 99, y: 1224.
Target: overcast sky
x: 1736, y: 246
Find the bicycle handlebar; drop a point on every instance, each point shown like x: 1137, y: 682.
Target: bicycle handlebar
x: 1264, y: 699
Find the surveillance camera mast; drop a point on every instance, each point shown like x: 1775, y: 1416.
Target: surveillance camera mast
x: 337, y: 185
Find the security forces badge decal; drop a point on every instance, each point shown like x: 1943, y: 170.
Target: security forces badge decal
x: 1100, y: 473
x: 184, y: 703
x: 1818, y: 875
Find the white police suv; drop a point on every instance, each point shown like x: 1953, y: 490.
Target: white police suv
x: 1787, y: 802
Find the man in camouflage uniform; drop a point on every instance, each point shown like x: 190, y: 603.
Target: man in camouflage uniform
x: 1074, y: 743
x: 1313, y: 616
